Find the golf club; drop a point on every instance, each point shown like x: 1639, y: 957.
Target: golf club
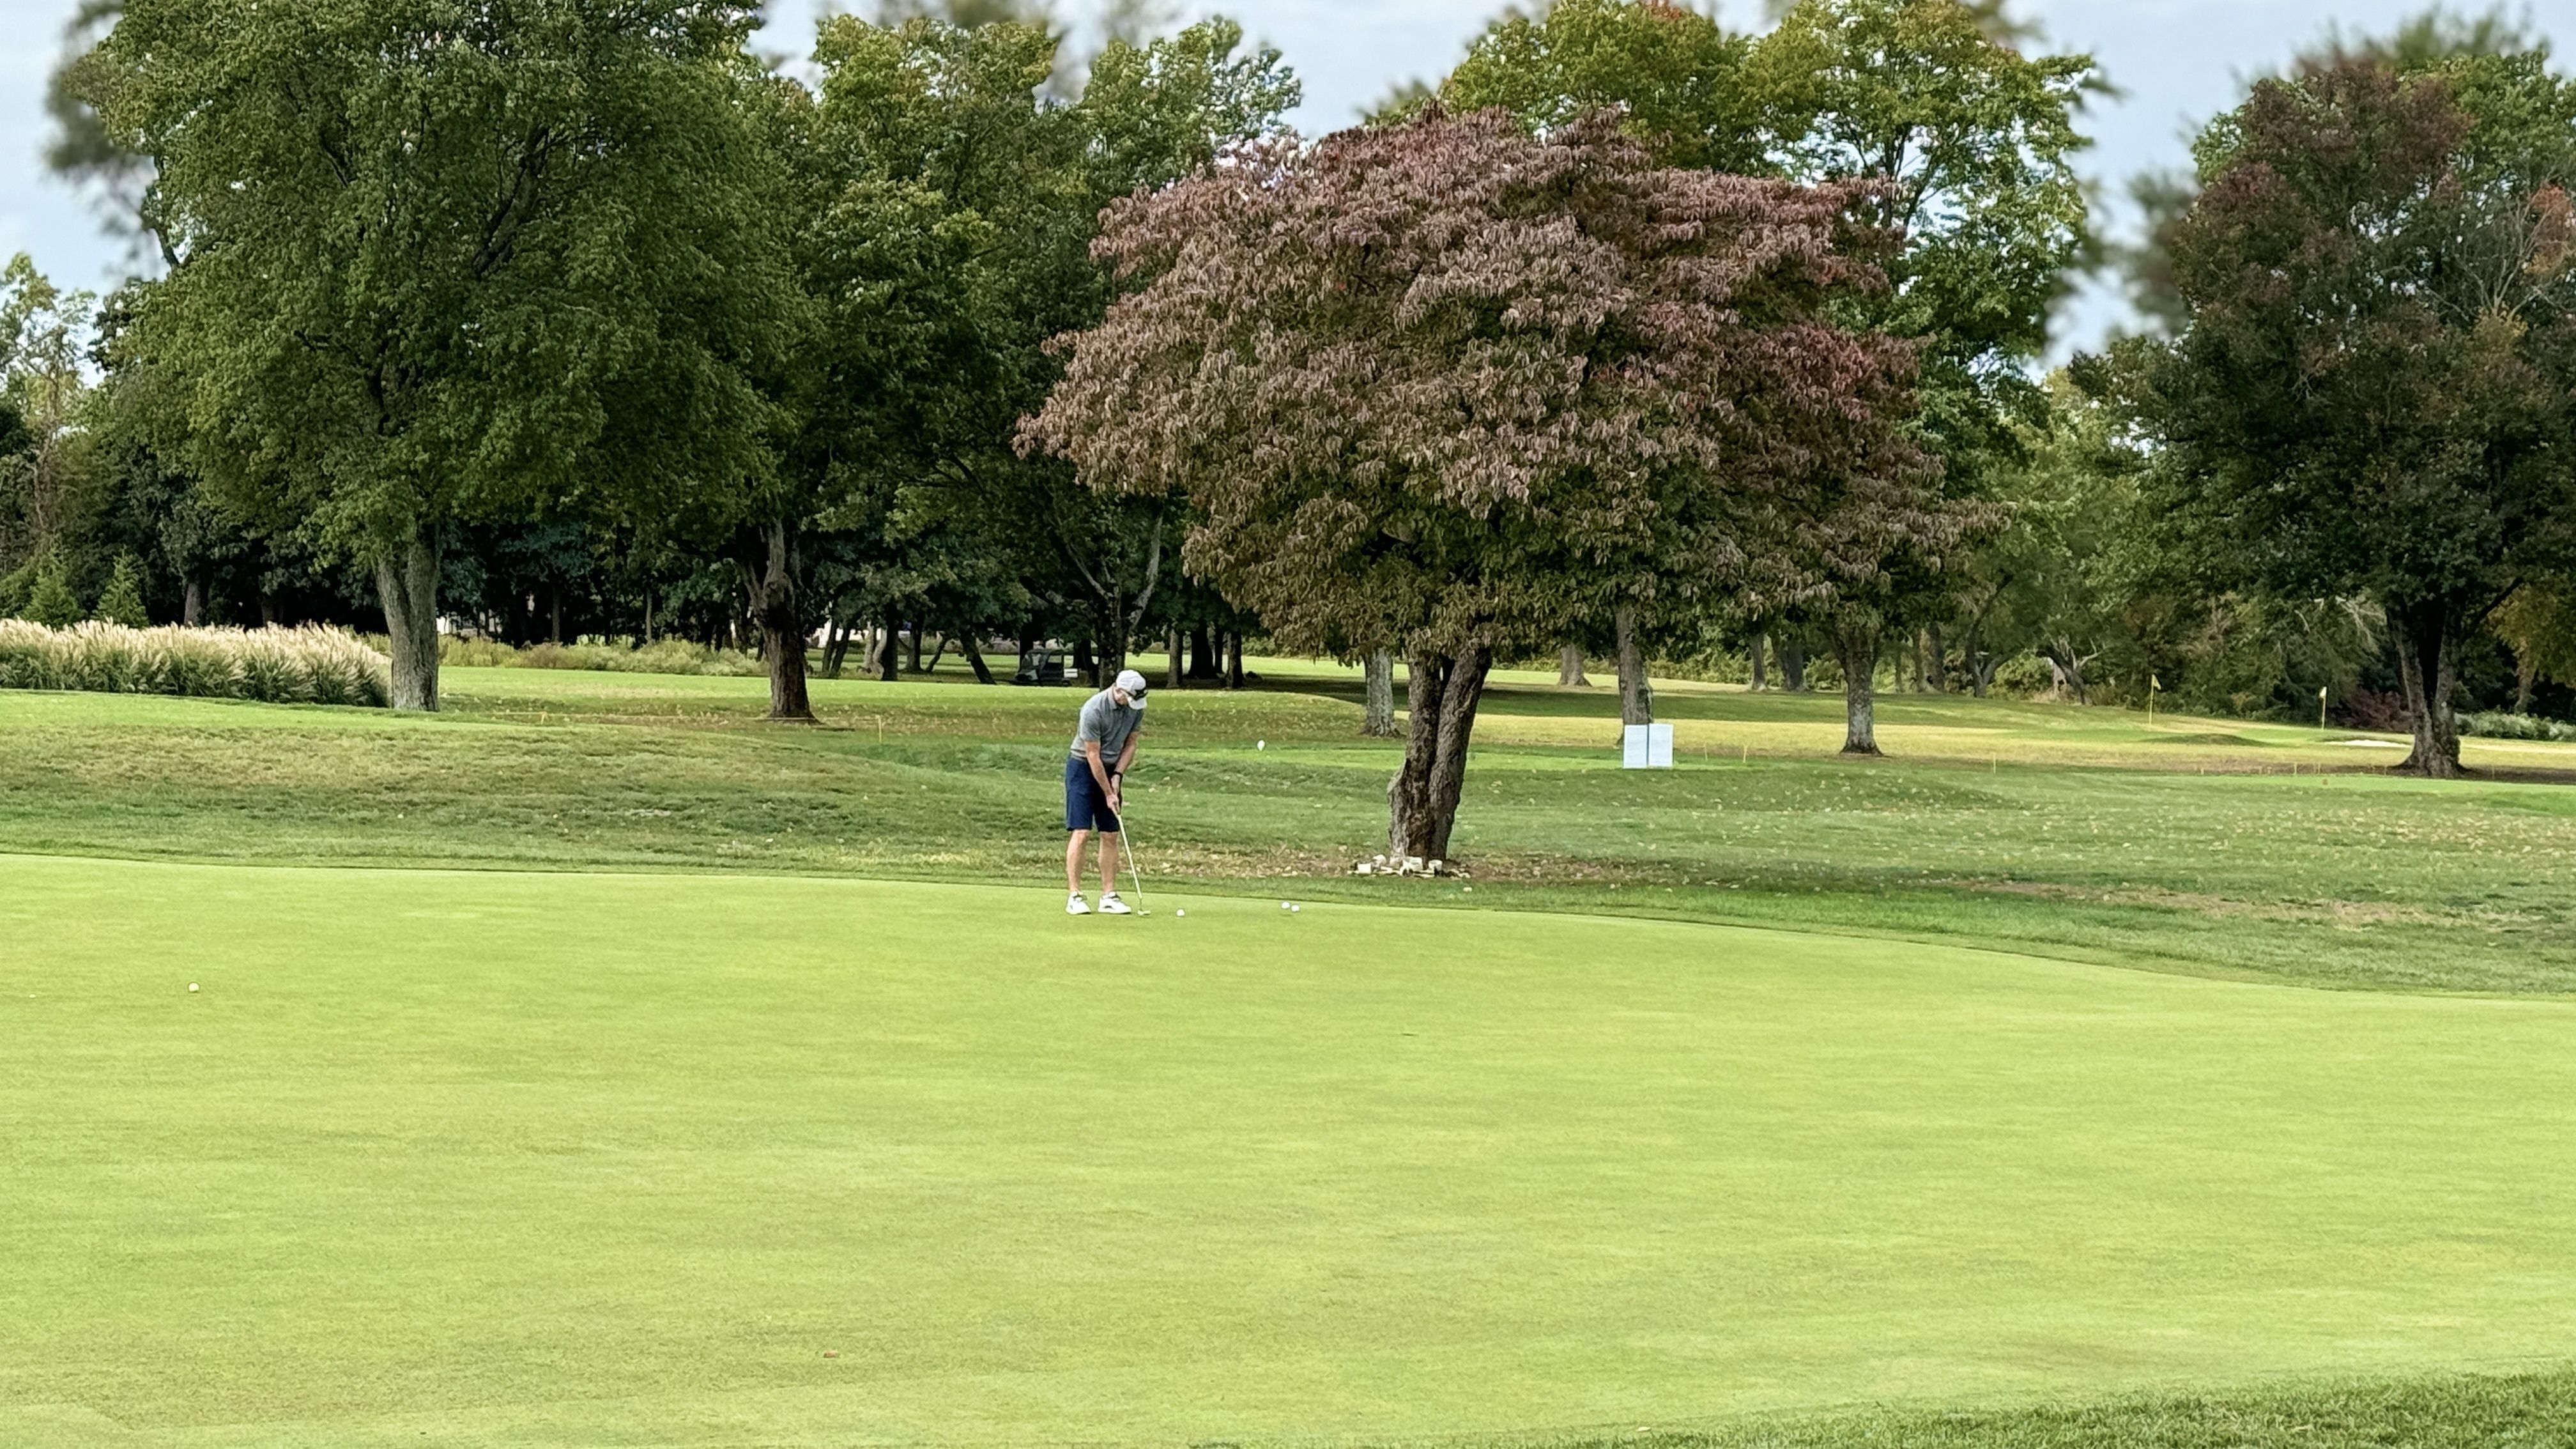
x: 1135, y: 874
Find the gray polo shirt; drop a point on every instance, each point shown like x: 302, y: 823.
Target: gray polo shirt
x: 1105, y: 720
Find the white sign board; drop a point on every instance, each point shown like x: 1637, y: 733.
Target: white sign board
x: 1646, y: 747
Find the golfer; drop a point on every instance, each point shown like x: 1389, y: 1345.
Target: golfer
x: 1104, y: 745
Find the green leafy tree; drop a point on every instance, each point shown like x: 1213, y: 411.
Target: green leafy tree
x: 949, y: 206
x: 438, y: 259
x: 1677, y: 76
x: 50, y: 483
x: 2539, y: 623
x: 2372, y: 392
x: 1968, y: 145
x: 1427, y: 385
x: 121, y: 602
x: 115, y: 179
x: 50, y: 600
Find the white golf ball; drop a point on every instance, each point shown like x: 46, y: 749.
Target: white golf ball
x: 1180, y: 913
x: 1294, y: 909
x: 1283, y: 905
x: 192, y: 986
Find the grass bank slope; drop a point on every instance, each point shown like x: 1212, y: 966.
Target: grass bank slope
x: 509, y: 1159
x: 2211, y: 846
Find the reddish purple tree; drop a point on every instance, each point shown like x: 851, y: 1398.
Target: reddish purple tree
x: 1440, y: 387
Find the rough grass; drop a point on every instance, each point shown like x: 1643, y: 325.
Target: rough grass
x: 2208, y: 846
x: 511, y: 1159
x: 2465, y: 1411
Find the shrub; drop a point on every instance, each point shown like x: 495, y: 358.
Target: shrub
x: 2498, y: 725
x: 50, y: 600
x: 665, y: 656
x: 307, y: 665
x: 2025, y: 675
x: 122, y: 602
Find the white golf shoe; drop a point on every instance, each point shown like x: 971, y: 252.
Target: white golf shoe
x: 1110, y: 905
x: 1075, y: 905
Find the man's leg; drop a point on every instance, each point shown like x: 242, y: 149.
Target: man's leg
x: 1073, y: 861
x: 1109, y: 862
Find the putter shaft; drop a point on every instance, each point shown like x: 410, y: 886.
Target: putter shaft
x: 1134, y: 872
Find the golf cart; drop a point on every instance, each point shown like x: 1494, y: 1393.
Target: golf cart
x: 1041, y: 666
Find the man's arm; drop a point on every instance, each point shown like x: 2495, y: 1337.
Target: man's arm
x: 1126, y: 757
x: 1099, y: 772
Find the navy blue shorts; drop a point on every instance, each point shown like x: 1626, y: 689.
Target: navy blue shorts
x: 1086, y: 805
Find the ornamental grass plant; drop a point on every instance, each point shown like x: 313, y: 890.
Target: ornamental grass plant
x: 276, y: 666
x: 662, y: 656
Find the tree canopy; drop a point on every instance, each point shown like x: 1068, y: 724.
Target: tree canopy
x: 2373, y: 390
x: 436, y: 259
x: 1426, y: 385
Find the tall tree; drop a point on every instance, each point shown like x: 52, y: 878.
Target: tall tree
x: 1428, y: 382
x: 439, y: 259
x: 2372, y: 393
x: 948, y: 204
x: 1676, y: 76
x: 49, y: 478
x: 1970, y: 145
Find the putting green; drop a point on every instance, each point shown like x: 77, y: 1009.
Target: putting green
x: 491, y: 1159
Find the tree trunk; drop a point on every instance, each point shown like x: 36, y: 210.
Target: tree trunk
x: 1204, y: 663
x: 1569, y: 668
x: 407, y: 585
x: 915, y: 645
x: 975, y: 658
x: 1111, y: 624
x: 836, y: 648
x: 1856, y: 649
x: 1636, y: 695
x: 1755, y: 650
x: 1793, y: 666
x: 764, y: 555
x: 1378, y: 717
x: 268, y: 608
x: 1233, y: 659
x: 192, y: 603
x: 554, y: 613
x: 1172, y: 663
x: 648, y: 616
x: 2428, y: 671
x: 1936, y: 673
x: 2069, y: 669
x: 1084, y: 665
x: 1422, y: 800
x: 2525, y: 680
x: 889, y: 648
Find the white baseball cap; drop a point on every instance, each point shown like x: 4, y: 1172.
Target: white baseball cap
x: 1134, y: 684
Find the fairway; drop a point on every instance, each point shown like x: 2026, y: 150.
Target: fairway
x: 499, y: 1158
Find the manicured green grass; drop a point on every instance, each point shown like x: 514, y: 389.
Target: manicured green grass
x: 2199, y: 845
x: 510, y: 1158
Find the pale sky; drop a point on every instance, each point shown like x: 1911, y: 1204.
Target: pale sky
x: 2178, y: 61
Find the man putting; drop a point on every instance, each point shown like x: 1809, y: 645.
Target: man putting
x: 1104, y: 745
